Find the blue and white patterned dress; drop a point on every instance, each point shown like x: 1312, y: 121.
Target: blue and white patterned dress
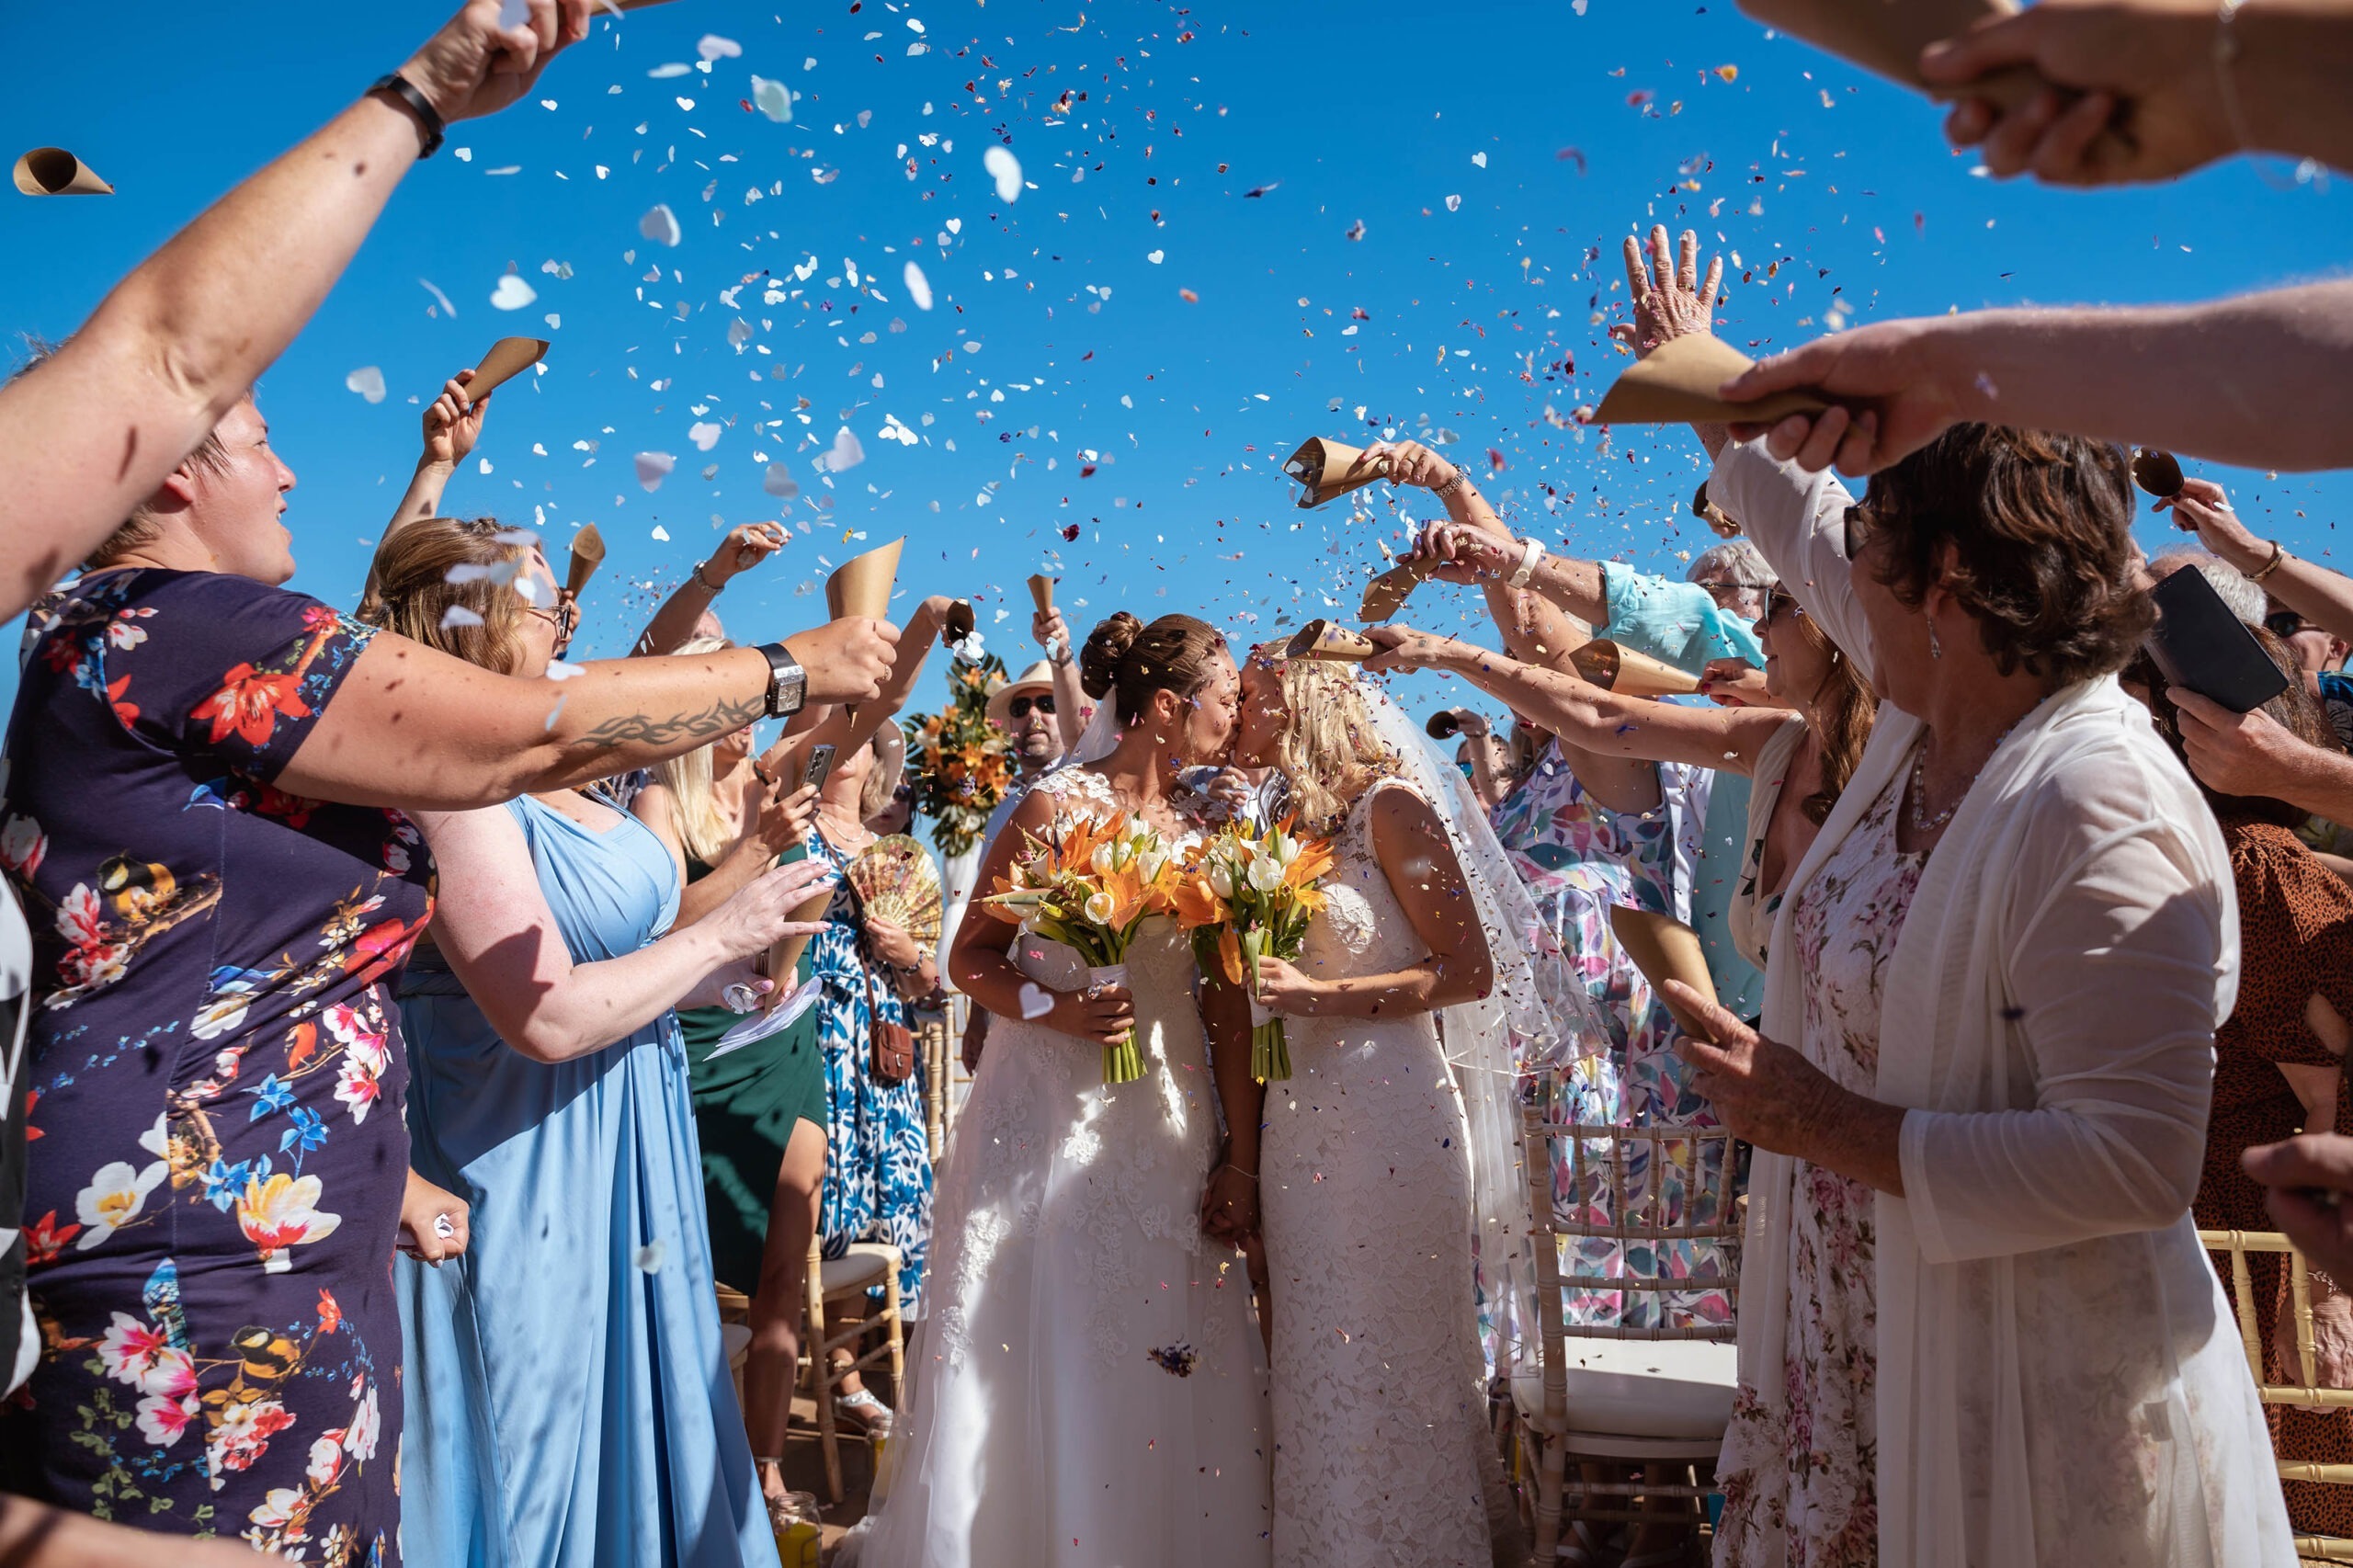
x: 878, y: 1158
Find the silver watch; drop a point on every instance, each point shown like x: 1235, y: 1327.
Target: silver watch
x: 788, y: 682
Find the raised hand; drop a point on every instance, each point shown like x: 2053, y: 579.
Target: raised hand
x: 1411, y: 463
x: 759, y: 914
x: 452, y: 424
x: 1735, y: 683
x: 785, y: 815
x: 746, y: 546
x: 473, y: 67
x: 2155, y: 58
x: 1669, y: 300
x: 846, y: 660
x: 2203, y: 507
x: 1461, y: 552
x: 1052, y: 632
x: 1403, y: 649
x: 1901, y: 384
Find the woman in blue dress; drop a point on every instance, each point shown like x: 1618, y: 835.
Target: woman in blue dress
x: 569, y: 1400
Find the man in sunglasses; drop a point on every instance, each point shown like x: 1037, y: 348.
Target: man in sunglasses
x: 1027, y: 711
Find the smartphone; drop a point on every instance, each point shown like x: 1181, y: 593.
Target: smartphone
x: 2200, y: 645
x: 821, y: 764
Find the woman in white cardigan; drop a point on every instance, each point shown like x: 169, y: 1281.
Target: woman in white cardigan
x: 1976, y: 1324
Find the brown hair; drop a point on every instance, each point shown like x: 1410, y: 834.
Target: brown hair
x: 2038, y: 527
x: 1840, y: 710
x: 410, y: 589
x: 1124, y: 655
x: 2295, y: 710
x: 140, y: 527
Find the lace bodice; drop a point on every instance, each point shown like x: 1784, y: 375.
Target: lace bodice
x: 1363, y: 928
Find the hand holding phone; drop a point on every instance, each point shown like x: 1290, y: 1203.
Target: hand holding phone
x: 2199, y: 645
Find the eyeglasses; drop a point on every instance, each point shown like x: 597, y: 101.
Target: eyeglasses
x: 2286, y: 623
x: 1780, y: 599
x: 1860, y: 525
x: 1018, y: 709
x: 564, y: 617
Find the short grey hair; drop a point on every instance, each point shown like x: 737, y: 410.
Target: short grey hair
x: 1736, y: 561
x: 2240, y: 593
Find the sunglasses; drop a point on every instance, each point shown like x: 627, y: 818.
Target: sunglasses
x: 1859, y: 526
x: 1020, y: 707
x: 2286, y: 623
x: 1780, y: 599
x: 564, y: 617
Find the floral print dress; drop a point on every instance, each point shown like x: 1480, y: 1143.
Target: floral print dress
x: 878, y: 1154
x: 1801, y: 1482
x: 216, y: 1074
x: 1578, y: 858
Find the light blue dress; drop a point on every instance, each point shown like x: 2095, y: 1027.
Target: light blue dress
x: 569, y: 1402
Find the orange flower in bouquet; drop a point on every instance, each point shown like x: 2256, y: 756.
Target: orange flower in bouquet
x: 1246, y: 895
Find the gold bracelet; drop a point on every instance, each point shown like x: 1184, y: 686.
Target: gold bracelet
x: 2278, y: 555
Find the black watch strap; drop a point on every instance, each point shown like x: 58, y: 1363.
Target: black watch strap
x: 788, y: 683
x: 428, y: 118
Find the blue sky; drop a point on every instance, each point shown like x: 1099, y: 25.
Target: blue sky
x: 1062, y: 380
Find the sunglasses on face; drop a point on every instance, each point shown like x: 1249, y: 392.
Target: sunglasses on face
x: 2286, y: 623
x: 564, y: 617
x: 1020, y: 707
x: 1859, y: 527
x: 1780, y: 599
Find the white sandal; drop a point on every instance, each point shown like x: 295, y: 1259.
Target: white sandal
x: 872, y: 1416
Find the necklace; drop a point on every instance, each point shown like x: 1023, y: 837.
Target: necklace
x: 1921, y: 821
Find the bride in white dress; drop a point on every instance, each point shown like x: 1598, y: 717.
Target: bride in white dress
x: 1089, y: 1390
x: 1369, y: 1203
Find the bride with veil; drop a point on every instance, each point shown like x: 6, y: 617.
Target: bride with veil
x: 1392, y: 1152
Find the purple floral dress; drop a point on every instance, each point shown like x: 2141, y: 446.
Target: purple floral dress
x: 216, y: 1074
x: 1578, y: 858
x: 1800, y: 1482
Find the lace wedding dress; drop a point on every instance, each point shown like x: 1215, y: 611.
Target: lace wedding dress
x: 1089, y: 1390
x: 1381, y: 1450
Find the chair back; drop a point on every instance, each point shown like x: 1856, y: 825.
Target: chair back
x: 1664, y: 1185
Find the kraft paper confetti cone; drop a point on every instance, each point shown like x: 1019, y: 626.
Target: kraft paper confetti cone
x: 54, y: 171
x: 1678, y: 385
x: 1387, y: 594
x: 1041, y: 593
x: 1629, y: 674
x: 1664, y: 948
x: 508, y: 357
x: 588, y: 554
x: 1330, y: 642
x: 1327, y: 468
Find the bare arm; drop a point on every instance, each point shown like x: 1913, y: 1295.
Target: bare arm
x: 1230, y: 1197
x: 2253, y: 754
x: 492, y: 924
x: 1584, y: 715
x: 783, y: 821
x: 838, y: 727
x: 415, y: 728
x: 35, y: 1536
x: 1070, y: 701
x: 181, y: 340
x: 452, y: 426
x: 1411, y: 845
x: 672, y: 626
x: 2320, y: 596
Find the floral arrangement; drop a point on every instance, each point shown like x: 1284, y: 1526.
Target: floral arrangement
x: 1090, y: 885
x: 1247, y: 894
x: 961, y: 764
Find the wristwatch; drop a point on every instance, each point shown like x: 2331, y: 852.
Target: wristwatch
x: 1530, y: 552
x: 788, y: 682
x: 428, y: 119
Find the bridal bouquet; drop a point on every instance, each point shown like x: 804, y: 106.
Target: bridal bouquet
x: 1247, y: 894
x: 1090, y: 885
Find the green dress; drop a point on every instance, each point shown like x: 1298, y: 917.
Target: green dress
x: 745, y: 1104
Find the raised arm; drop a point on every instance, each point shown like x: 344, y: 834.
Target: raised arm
x: 673, y: 625
x: 452, y: 426
x: 492, y: 924
x: 1533, y: 626
x: 1582, y: 715
x: 415, y: 728
x: 2320, y: 596
x: 1071, y: 703
x: 839, y: 728
x: 1799, y: 521
x: 783, y: 821
x: 2251, y: 381
x: 93, y: 433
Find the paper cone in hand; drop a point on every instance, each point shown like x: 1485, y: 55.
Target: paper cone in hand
x: 1676, y: 385
x: 508, y: 357
x: 957, y: 624
x: 1387, y: 594
x: 1327, y: 468
x: 54, y: 171
x: 588, y: 554
x: 862, y: 584
x: 1331, y: 643
x: 784, y: 959
x: 1628, y: 673
x: 1664, y: 948
x: 1041, y: 593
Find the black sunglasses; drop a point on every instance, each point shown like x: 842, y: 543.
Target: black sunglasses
x: 1777, y: 599
x: 2285, y: 624
x: 1018, y: 709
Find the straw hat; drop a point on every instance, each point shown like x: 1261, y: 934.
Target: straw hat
x: 1039, y: 676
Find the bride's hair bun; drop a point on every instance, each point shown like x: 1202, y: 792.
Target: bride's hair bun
x: 1098, y: 662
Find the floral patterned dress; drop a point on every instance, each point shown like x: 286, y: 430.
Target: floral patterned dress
x: 878, y: 1154
x: 1579, y: 858
x: 1801, y: 1487
x: 216, y: 1074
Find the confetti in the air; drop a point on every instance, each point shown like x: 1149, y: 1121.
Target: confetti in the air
x: 705, y: 435
x: 918, y: 287
x: 1006, y: 169
x: 512, y: 293
x: 653, y: 468
x: 713, y: 46
x: 779, y: 482
x: 443, y: 299
x: 773, y: 99
x: 660, y: 225
x: 368, y: 381
x: 845, y: 454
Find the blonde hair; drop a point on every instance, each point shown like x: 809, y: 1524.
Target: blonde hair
x: 1328, y: 750
x: 410, y: 591
x: 694, y: 799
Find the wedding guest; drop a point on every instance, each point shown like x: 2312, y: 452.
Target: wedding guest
x: 689, y: 613
x: 171, y: 683
x: 888, y: 803
x: 2278, y: 1070
x: 727, y: 815
x: 1976, y: 1223
x: 549, y: 1090
x: 2241, y: 596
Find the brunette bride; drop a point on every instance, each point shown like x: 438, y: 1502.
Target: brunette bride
x: 1089, y: 1388
x: 1377, y: 1176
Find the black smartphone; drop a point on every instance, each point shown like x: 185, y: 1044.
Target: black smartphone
x: 821, y: 764
x: 2198, y: 643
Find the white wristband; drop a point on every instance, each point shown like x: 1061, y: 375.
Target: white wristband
x: 1530, y: 554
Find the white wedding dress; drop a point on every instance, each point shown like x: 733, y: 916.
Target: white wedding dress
x: 1381, y: 1449
x: 1090, y: 1389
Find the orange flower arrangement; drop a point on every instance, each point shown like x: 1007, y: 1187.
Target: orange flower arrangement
x: 1247, y: 895
x: 959, y: 762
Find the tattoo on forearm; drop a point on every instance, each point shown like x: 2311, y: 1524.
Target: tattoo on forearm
x: 650, y: 729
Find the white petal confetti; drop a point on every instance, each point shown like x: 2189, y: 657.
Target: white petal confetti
x: 705, y: 435
x: 458, y: 614
x: 512, y: 293
x: 661, y: 533
x: 1006, y: 169
x: 1036, y: 1000
x: 773, y: 99
x: 674, y: 68
x: 559, y: 670
x: 653, y: 468
x: 713, y: 46
x: 649, y: 1256
x: 918, y: 287
x: 847, y: 454
x: 779, y: 482
x: 660, y: 225
x: 368, y: 381
x: 447, y: 308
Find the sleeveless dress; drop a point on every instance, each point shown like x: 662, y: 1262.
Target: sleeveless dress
x: 747, y: 1102
x: 569, y: 1401
x: 1380, y: 1411
x: 1089, y: 1390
